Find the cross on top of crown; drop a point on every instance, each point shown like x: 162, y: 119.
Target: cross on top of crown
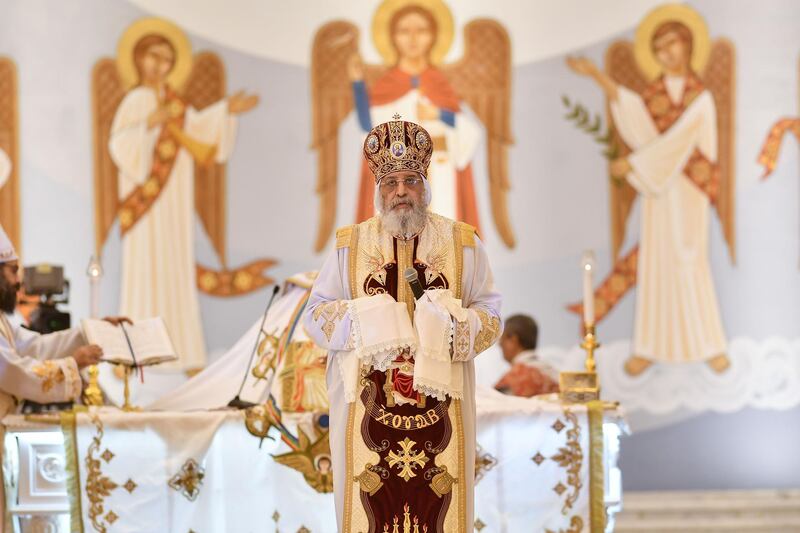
x: 396, y: 116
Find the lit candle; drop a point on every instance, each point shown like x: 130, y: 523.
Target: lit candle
x: 94, y: 271
x: 588, y: 288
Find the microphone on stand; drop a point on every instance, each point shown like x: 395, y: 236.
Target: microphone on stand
x: 413, y: 281
x: 237, y: 402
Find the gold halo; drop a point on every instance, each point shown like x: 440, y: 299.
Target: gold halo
x: 147, y: 26
x: 383, y: 17
x: 701, y: 44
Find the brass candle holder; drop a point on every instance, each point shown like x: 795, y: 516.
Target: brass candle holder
x: 93, y: 395
x: 582, y: 387
x: 127, y: 406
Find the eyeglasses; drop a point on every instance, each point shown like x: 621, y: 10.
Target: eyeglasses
x: 390, y: 184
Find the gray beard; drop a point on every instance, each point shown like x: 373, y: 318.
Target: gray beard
x: 405, y: 225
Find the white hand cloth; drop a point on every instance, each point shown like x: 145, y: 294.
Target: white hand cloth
x: 380, y: 328
x: 435, y: 374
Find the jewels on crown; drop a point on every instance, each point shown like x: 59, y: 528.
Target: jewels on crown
x: 397, y: 145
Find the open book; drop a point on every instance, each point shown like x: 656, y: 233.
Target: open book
x: 149, y: 341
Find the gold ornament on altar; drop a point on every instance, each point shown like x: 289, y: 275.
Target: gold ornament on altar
x: 312, y: 459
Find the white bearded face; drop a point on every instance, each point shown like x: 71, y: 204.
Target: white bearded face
x: 402, y: 214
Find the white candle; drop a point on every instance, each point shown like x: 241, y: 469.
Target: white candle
x: 94, y: 271
x: 588, y: 288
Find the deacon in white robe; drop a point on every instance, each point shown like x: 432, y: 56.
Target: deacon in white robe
x: 402, y: 393
x: 158, y: 260
x: 40, y: 368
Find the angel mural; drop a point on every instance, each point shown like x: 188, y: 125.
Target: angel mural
x: 670, y: 97
x: 163, y: 131
x: 9, y: 152
x: 413, y: 37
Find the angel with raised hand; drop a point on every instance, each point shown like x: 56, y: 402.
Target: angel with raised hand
x: 413, y: 36
x: 670, y: 96
x: 163, y: 129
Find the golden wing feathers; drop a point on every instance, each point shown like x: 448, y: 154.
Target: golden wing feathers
x: 206, y: 86
x: 621, y: 67
x: 9, y: 143
x: 107, y: 93
x: 331, y: 101
x: 483, y: 79
x: 719, y: 78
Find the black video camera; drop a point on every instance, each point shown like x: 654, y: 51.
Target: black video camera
x: 47, y: 282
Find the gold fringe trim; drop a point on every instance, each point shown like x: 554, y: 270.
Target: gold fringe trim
x: 597, y: 509
x: 349, y: 469
x: 343, y: 236
x: 467, y: 233
x: 462, y: 485
x: 72, y: 468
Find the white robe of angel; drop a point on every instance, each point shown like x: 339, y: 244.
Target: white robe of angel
x: 158, y: 260
x: 333, y: 284
x: 677, y: 314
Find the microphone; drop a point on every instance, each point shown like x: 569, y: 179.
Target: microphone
x: 413, y: 281
x: 237, y: 402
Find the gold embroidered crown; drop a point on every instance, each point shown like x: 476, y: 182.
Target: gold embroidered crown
x: 398, y: 145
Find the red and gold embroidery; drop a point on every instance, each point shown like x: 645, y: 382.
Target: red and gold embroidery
x: 702, y: 172
x: 768, y: 157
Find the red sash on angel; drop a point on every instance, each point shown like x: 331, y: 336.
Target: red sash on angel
x: 699, y: 169
x: 435, y: 86
x: 768, y: 157
x: 172, y: 138
x: 169, y: 141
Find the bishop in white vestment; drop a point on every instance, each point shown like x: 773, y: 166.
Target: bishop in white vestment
x: 400, y: 374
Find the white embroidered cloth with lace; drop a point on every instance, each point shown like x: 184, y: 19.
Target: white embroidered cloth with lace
x: 435, y: 374
x: 380, y: 328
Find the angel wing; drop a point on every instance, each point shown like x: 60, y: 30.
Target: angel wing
x: 331, y: 102
x: 107, y: 93
x: 205, y: 86
x: 621, y: 67
x: 302, y: 460
x: 719, y: 77
x: 483, y: 79
x: 9, y: 139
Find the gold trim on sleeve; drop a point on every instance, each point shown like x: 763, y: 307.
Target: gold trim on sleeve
x: 331, y: 313
x: 461, y: 341
x: 490, y: 330
x: 50, y: 373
